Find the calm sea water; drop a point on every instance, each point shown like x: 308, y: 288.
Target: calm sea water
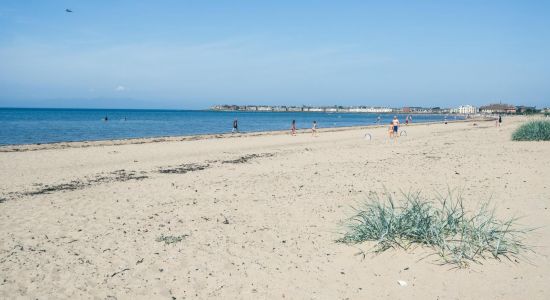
x: 30, y: 126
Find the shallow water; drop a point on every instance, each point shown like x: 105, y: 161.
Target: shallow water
x: 30, y: 126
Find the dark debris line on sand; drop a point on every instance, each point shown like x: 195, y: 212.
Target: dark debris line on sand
x: 246, y: 158
x: 119, y: 176
x: 123, y: 175
x: 120, y: 272
x: 184, y: 168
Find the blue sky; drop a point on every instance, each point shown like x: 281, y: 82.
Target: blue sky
x: 193, y: 54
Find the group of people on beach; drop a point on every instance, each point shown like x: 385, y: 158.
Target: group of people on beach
x: 392, y: 130
x: 292, y: 127
x: 408, y: 119
x: 313, y: 128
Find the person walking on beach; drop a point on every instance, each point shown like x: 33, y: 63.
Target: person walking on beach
x: 293, y: 127
x: 378, y: 120
x: 407, y: 120
x: 314, y: 129
x: 499, y: 120
x: 235, y: 126
x: 395, y: 124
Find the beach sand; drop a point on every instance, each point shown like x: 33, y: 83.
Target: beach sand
x: 258, y: 215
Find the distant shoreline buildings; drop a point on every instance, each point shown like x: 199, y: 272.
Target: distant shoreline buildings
x: 463, y: 109
x: 354, y: 109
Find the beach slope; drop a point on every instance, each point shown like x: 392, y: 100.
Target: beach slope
x: 257, y: 216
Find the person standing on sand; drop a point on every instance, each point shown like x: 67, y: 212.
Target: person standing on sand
x: 390, y: 130
x: 395, y: 124
x: 499, y: 120
x: 293, y: 127
x: 235, y: 126
x: 314, y: 129
x: 407, y: 120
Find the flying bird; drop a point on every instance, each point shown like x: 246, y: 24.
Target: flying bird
x: 68, y: 10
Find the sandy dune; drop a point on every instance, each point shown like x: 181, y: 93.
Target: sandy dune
x: 258, y: 215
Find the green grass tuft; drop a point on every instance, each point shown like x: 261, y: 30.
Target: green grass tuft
x: 458, y: 236
x: 171, y: 239
x: 533, y: 131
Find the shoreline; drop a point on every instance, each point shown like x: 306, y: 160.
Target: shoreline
x: 179, y: 138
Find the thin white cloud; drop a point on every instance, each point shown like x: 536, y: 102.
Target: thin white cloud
x: 120, y: 88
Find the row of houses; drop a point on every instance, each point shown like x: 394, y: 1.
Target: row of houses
x: 302, y: 108
x: 500, y: 108
x: 497, y: 108
x: 423, y: 110
x: 470, y: 109
x: 463, y: 109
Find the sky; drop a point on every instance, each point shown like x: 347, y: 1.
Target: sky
x: 194, y: 54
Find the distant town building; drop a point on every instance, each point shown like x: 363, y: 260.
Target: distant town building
x: 364, y: 109
x: 498, y: 109
x: 294, y: 108
x: 439, y: 110
x: 329, y: 109
x: 464, y: 109
x: 416, y: 109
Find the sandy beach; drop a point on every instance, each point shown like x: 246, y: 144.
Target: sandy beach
x: 258, y: 215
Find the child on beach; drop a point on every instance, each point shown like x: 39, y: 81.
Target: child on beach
x: 390, y: 130
x: 235, y: 126
x: 293, y: 128
x: 314, y: 129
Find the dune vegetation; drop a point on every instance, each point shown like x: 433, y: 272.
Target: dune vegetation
x: 533, y: 131
x: 457, y: 235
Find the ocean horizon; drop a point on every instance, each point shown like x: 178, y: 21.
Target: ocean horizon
x: 20, y: 126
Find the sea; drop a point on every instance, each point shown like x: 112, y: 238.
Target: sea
x: 49, y: 125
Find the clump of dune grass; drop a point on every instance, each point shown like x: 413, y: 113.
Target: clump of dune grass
x: 171, y: 239
x: 533, y: 131
x: 457, y: 235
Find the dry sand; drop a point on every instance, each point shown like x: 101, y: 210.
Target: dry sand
x: 259, y: 215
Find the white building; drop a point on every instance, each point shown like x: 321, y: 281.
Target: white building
x: 364, y: 109
x: 464, y: 109
x: 294, y: 108
x: 279, y: 108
